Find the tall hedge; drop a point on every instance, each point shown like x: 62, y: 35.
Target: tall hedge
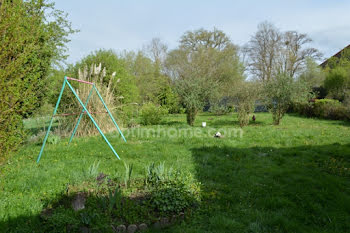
x: 29, y: 45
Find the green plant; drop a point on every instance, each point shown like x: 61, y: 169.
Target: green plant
x: 127, y: 175
x: 53, y: 139
x: 87, y: 218
x: 93, y: 170
x: 171, y: 191
x: 245, y: 95
x: 30, y: 44
x: 114, y: 198
x: 152, y: 114
x: 337, y: 82
x: 329, y: 109
x: 171, y: 196
x: 157, y: 173
x: 128, y: 113
x: 281, y: 91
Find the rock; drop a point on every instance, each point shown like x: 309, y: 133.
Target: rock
x: 79, y: 202
x: 143, y: 227
x: 132, y: 228
x: 218, y: 135
x: 121, y: 228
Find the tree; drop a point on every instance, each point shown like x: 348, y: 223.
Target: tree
x: 246, y: 94
x: 154, y: 86
x: 203, y: 66
x: 124, y: 84
x: 271, y: 51
x: 157, y: 51
x: 31, y: 41
x: 262, y: 51
x: 337, y: 82
x: 281, y: 91
x: 312, y: 75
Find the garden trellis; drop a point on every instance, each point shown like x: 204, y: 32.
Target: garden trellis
x: 84, y: 111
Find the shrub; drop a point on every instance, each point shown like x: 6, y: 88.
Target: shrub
x: 171, y: 197
x: 329, y: 109
x: 246, y: 96
x: 281, y: 91
x: 337, y: 82
x: 152, y: 114
x: 53, y: 139
x: 323, y: 108
x: 171, y: 191
x: 128, y: 114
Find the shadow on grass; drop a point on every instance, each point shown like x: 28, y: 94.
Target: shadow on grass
x: 256, y: 189
x: 267, y: 189
x: 99, y: 210
x: 327, y: 121
x: 231, y: 123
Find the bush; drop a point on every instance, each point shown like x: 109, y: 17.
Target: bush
x: 171, y: 197
x: 171, y: 191
x: 323, y: 108
x: 128, y: 114
x: 329, y: 109
x: 281, y: 91
x: 246, y: 96
x: 152, y: 114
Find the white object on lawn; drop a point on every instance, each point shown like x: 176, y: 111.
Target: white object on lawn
x: 204, y: 124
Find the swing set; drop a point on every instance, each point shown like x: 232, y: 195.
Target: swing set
x: 84, y: 111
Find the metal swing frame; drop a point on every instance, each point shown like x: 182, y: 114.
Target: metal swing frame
x: 84, y: 111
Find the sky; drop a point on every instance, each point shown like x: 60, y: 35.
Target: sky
x: 130, y: 24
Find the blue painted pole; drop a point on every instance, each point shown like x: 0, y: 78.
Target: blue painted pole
x: 110, y: 114
x: 53, y: 115
x: 92, y: 119
x: 81, y: 116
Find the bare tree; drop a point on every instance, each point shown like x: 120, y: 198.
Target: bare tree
x: 271, y: 51
x: 262, y: 50
x: 293, y: 56
x: 156, y: 50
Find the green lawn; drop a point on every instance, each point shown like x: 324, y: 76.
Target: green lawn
x: 289, y: 178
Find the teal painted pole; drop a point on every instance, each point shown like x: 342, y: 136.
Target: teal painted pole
x: 93, y: 121
x: 81, y: 116
x: 54, y: 113
x: 110, y: 114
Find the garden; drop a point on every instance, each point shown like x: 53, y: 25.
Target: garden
x: 292, y: 177
x: 204, y: 136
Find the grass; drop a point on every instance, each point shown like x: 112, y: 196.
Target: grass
x: 288, y: 178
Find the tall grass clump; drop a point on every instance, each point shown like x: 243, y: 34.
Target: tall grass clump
x: 97, y: 75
